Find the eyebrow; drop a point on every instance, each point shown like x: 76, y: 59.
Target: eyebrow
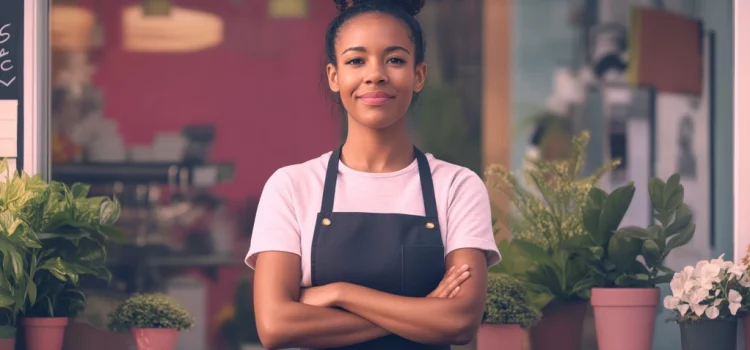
x: 388, y: 49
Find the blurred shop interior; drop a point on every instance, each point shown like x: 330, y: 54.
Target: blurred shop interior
x: 181, y: 108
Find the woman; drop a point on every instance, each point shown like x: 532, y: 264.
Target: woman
x: 350, y: 248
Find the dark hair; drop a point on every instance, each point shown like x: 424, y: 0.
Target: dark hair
x: 404, y: 10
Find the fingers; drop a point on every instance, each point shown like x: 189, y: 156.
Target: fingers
x: 453, y: 278
x: 454, y: 292
x: 456, y: 282
x: 441, y: 286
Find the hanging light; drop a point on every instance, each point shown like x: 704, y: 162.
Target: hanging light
x: 71, y: 27
x: 160, y: 26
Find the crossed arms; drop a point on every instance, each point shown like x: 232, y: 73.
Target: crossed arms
x: 288, y: 317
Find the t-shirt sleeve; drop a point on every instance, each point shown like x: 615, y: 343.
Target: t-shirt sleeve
x: 469, y: 221
x: 276, y: 227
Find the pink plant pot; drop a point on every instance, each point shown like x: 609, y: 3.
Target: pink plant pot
x: 155, y: 338
x: 44, y: 333
x: 625, y: 317
x: 500, y: 336
x: 8, y: 344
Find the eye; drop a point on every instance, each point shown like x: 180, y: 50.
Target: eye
x: 396, y: 60
x: 355, y: 61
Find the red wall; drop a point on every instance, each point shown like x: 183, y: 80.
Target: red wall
x: 261, y: 88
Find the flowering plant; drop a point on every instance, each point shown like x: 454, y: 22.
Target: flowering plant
x: 548, y: 199
x: 545, y: 218
x: 709, y: 290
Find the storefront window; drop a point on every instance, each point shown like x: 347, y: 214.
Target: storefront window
x: 183, y: 109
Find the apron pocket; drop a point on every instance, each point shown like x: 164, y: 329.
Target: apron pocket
x: 423, y: 267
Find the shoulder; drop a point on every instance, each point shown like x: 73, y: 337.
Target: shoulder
x: 292, y: 177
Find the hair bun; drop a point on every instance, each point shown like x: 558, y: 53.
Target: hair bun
x: 412, y: 7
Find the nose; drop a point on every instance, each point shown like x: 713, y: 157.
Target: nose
x: 376, y: 74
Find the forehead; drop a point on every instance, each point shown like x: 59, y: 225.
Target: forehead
x: 373, y: 30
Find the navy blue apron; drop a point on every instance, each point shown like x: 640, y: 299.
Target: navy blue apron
x: 394, y: 253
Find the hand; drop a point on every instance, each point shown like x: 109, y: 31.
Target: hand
x: 322, y: 296
x: 451, y: 283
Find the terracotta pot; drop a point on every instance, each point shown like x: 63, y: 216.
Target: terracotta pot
x: 561, y: 327
x: 155, y: 338
x: 7, y: 338
x: 8, y: 344
x: 496, y: 336
x: 625, y: 317
x: 746, y: 331
x: 44, y: 333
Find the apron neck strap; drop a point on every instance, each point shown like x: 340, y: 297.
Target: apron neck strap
x: 425, y: 179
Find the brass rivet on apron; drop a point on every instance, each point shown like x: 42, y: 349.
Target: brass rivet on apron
x: 325, y: 221
x: 429, y: 225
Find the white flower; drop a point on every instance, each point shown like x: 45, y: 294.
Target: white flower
x: 734, y: 300
x: 683, y: 309
x: 707, y: 273
x: 671, y: 302
x: 745, y: 280
x: 698, y: 309
x: 695, y: 298
x: 678, y: 283
x: 712, y: 312
x: 703, y: 289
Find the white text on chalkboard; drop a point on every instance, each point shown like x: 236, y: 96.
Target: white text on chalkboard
x: 6, y: 64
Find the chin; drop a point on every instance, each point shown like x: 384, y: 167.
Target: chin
x: 376, y: 120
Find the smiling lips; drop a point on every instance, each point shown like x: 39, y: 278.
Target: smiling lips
x: 376, y: 98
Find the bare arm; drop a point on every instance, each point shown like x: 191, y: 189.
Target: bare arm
x: 426, y: 320
x: 284, y: 322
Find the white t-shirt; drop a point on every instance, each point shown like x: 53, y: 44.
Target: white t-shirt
x: 291, y: 200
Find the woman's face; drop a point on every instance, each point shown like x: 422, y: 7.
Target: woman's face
x: 375, y: 72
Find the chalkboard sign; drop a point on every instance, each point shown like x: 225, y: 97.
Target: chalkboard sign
x: 11, y: 61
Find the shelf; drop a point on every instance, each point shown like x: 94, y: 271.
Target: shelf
x: 145, y: 173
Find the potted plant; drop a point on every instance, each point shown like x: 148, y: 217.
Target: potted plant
x: 707, y: 299
x: 155, y: 320
x: 16, y: 192
x: 625, y: 295
x: 507, y: 312
x: 73, y: 230
x: 548, y: 203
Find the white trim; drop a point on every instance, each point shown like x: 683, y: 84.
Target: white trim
x: 741, y: 126
x: 36, y: 88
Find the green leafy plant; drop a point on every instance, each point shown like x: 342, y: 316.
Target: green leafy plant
x: 613, y: 252
x: 547, y: 211
x: 17, y: 193
x: 150, y: 311
x: 508, y: 303
x: 74, y: 230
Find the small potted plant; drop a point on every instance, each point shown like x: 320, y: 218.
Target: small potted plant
x: 507, y: 312
x: 16, y: 239
x: 707, y: 300
x: 625, y: 294
x: 155, y: 320
x: 73, y: 229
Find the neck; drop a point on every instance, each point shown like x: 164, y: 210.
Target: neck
x: 377, y: 151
